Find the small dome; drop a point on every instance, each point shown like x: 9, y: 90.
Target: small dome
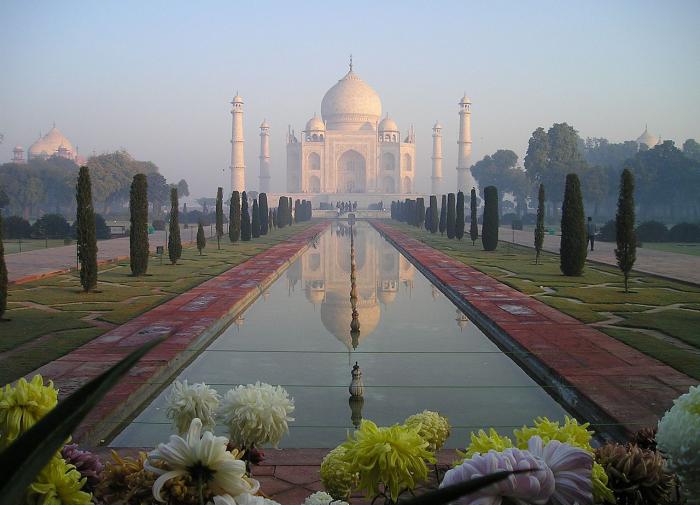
x: 315, y: 295
x: 647, y: 139
x: 336, y: 315
x: 437, y: 126
x: 18, y: 148
x: 388, y: 125
x: 264, y: 124
x: 237, y: 99
x: 49, y: 144
x: 465, y: 99
x: 315, y: 124
x: 386, y: 296
x: 351, y: 104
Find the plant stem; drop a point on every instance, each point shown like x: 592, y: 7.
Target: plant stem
x: 200, y: 488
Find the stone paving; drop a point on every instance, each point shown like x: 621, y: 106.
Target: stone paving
x: 189, y: 321
x: 682, y: 267
x: 631, y: 388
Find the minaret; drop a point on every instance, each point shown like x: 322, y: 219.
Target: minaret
x: 436, y: 179
x: 264, y: 181
x: 465, y: 181
x: 237, y: 157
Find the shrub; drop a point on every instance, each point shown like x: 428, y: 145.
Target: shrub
x: 572, y: 251
x: 473, y: 217
x: 263, y: 209
x: 255, y: 222
x: 507, y: 219
x: 174, y: 241
x: 102, y: 231
x: 420, y: 212
x: 434, y: 214
x: 684, y: 232
x: 539, y: 228
x: 652, y: 231
x: 3, y: 273
x: 219, y: 212
x: 85, y: 234
x: 459, y: 219
x: 234, y: 227
x: 201, y: 238
x: 626, y: 251
x: 138, y: 233
x: 607, y: 232
x: 15, y: 227
x: 451, y: 215
x: 246, y: 230
x: 158, y: 224
x: 51, y: 226
x: 443, y: 215
x: 489, y: 230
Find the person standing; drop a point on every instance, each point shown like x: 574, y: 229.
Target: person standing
x: 590, y: 232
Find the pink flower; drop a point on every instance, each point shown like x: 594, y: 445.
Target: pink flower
x: 572, y: 468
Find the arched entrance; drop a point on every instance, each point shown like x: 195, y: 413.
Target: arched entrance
x: 406, y: 185
x: 314, y: 184
x: 351, y: 172
x: 388, y: 184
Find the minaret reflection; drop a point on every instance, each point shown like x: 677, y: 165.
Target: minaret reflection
x: 355, y: 316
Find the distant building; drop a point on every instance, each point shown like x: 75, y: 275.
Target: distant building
x: 54, y: 143
x: 647, y: 139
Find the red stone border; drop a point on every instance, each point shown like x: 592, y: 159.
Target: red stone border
x: 594, y: 376
x: 190, y: 320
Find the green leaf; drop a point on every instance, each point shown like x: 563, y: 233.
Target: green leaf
x: 30, y: 453
x: 450, y: 493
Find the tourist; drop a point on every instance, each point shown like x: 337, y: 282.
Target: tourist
x: 590, y: 232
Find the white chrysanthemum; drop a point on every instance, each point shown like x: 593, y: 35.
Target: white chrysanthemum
x: 257, y: 414
x: 678, y: 439
x: 204, y: 457
x: 242, y: 499
x: 321, y: 498
x: 186, y: 402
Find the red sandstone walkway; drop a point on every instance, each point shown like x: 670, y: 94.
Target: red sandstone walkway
x: 633, y: 389
x: 190, y: 320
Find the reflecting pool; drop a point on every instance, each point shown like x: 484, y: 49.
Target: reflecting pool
x: 415, y: 349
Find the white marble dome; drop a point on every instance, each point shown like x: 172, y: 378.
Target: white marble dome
x: 388, y: 125
x: 48, y: 144
x: 647, y: 139
x: 315, y: 124
x: 351, y: 104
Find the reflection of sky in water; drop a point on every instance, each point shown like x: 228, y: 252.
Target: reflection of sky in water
x: 415, y: 349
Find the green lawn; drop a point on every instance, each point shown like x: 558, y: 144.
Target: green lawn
x: 687, y: 248
x: 52, y: 316
x: 14, y: 246
x: 595, y: 296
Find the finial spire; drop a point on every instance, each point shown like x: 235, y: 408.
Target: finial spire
x: 351, y: 62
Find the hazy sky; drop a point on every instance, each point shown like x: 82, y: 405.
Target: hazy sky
x: 156, y: 78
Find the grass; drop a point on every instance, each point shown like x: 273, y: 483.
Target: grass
x: 48, y: 316
x: 594, y: 296
x: 692, y: 249
x: 13, y: 246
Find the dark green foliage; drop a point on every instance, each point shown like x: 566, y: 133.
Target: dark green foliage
x: 138, y: 233
x: 85, y: 231
x: 16, y: 227
x: 608, y: 232
x: 489, y: 225
x: 539, y: 227
x: 219, y: 213
x: 102, y: 231
x: 271, y: 219
x: 443, y: 215
x: 51, y: 226
x: 297, y: 212
x: 427, y: 219
x: 652, y: 231
x: 420, y: 212
x: 3, y: 274
x: 684, y: 232
x: 234, y: 220
x: 201, y: 238
x: 626, y: 251
x: 459, y: 223
x: 451, y: 217
x: 473, y: 218
x: 255, y: 222
x: 174, y: 241
x: 158, y: 224
x: 434, y: 214
x: 290, y: 217
x: 572, y: 251
x: 246, y: 230
x: 264, y: 218
x: 281, y: 220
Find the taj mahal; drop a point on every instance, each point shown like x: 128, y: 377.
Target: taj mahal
x: 351, y: 151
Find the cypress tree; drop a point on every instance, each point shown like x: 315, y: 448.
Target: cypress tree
x: 489, y: 226
x: 572, y: 251
x: 138, y: 233
x: 3, y: 275
x: 174, y: 242
x: 626, y: 252
x: 434, y: 216
x: 245, y: 218
x: 443, y: 215
x: 297, y: 211
x: 219, y: 216
x: 451, y: 215
x: 539, y: 228
x: 427, y: 219
x: 290, y: 218
x: 185, y: 219
x: 270, y: 219
x: 280, y: 220
x: 473, y: 218
x: 85, y: 231
x: 201, y: 239
x: 264, y: 221
x: 420, y: 212
x: 255, y: 224
x: 459, y: 223
x: 234, y: 217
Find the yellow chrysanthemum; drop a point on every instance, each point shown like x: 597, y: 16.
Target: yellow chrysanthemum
x: 483, y: 443
x: 571, y: 433
x: 394, y: 457
x: 432, y: 427
x: 336, y: 475
x: 58, y: 484
x: 23, y: 405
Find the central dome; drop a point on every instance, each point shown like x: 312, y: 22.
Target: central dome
x: 351, y: 105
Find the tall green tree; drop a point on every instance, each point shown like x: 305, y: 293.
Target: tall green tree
x: 459, y: 223
x: 271, y: 220
x: 451, y: 217
x: 572, y: 251
x: 201, y: 238
x: 489, y: 226
x: 264, y: 220
x: 85, y: 231
x: 281, y: 220
x: 138, y: 233
x: 219, y: 216
x: 246, y: 230
x: 539, y: 227
x: 626, y: 251
x: 234, y: 220
x: 290, y: 217
x: 443, y: 215
x: 434, y: 214
x: 255, y: 222
x: 174, y: 240
x: 420, y: 212
x: 3, y: 274
x: 473, y: 218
